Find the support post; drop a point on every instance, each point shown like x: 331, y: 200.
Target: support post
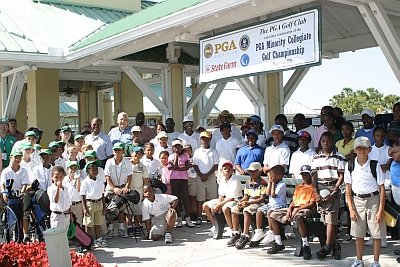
x: 20, y: 116
x: 87, y: 103
x: 293, y: 82
x: 211, y: 102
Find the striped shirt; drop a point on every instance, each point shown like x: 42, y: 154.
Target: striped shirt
x: 116, y: 135
x: 256, y: 190
x: 329, y: 168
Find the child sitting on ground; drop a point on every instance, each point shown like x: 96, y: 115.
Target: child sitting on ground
x: 229, y: 191
x: 302, y: 206
x: 159, y: 214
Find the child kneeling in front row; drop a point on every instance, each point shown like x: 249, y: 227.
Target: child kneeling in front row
x: 159, y: 214
x: 229, y: 191
x: 366, y: 199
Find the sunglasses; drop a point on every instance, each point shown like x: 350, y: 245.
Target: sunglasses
x: 253, y: 123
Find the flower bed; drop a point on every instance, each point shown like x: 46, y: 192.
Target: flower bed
x: 35, y: 255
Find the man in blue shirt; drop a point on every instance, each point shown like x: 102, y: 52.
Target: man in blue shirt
x: 122, y: 133
x: 367, y: 118
x: 250, y: 153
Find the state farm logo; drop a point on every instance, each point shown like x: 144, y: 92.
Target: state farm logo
x: 219, y: 67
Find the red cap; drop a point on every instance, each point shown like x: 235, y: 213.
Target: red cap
x: 227, y: 163
x: 304, y: 134
x: 245, y: 125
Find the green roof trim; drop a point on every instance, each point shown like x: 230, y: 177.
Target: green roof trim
x: 65, y: 108
x: 140, y: 18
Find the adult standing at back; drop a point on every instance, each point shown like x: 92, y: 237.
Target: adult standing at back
x: 321, y: 129
x: 147, y: 132
x: 170, y: 129
x: 367, y: 118
x: 13, y: 131
x: 121, y: 133
x: 257, y: 126
x: 300, y: 123
x: 6, y: 142
x: 190, y: 136
x: 101, y: 142
x: 225, y: 117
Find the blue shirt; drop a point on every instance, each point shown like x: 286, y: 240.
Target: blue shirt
x: 395, y: 173
x: 116, y: 135
x: 280, y: 191
x: 363, y: 132
x: 247, y: 155
x: 101, y: 144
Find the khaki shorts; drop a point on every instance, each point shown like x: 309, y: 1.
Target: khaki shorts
x: 206, y: 190
x: 252, y: 209
x: 329, y: 211
x: 59, y: 220
x: 280, y: 215
x: 159, y: 224
x: 77, y: 210
x: 366, y: 209
x: 213, y: 202
x: 96, y: 217
x: 192, y: 186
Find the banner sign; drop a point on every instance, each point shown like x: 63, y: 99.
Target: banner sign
x: 280, y: 44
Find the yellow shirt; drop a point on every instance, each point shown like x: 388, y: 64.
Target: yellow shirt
x: 346, y: 149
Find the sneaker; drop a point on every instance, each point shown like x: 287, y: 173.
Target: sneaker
x: 336, y: 251
x: 289, y: 232
x: 27, y: 240
x: 97, y: 243
x: 211, y: 233
x: 130, y: 231
x: 110, y: 233
x: 276, y: 248
x: 306, y: 252
x: 375, y: 264
x: 384, y: 243
x: 258, y: 235
x: 168, y: 238
x: 233, y: 239
x: 323, y: 252
x: 347, y: 239
x: 136, y: 231
x: 241, y: 243
x: 315, y: 238
x: 268, y: 238
x: 357, y: 263
x: 198, y: 222
x: 121, y: 233
x: 104, y: 243
x: 179, y: 222
x: 189, y: 222
x: 370, y: 242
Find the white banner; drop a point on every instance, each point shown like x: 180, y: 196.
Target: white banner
x: 281, y: 44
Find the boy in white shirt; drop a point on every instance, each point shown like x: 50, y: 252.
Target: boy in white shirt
x: 42, y: 172
x: 279, y: 152
x: 59, y: 161
x: 303, y: 156
x: 91, y: 155
x: 26, y: 162
x: 118, y: 173
x: 152, y: 163
x: 93, y: 203
x: 72, y: 183
x: 162, y: 138
x: 60, y: 203
x: 159, y: 214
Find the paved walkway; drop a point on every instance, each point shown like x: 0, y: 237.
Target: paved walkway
x: 192, y: 247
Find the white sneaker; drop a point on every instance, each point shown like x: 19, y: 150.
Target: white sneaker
x: 110, y: 233
x: 258, y: 235
x: 179, y: 222
x: 168, y: 238
x: 268, y: 238
x: 384, y: 243
x: 121, y: 233
x: 97, y: 243
x: 289, y: 232
x: 370, y: 242
x: 211, y: 233
x: 189, y: 222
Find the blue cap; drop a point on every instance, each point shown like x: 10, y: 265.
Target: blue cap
x: 249, y: 132
x: 305, y: 168
x: 138, y: 149
x: 255, y: 118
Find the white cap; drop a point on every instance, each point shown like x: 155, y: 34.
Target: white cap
x: 200, y: 125
x: 136, y: 129
x: 177, y: 142
x: 276, y: 127
x: 362, y: 141
x: 254, y: 166
x: 162, y: 134
x: 368, y: 112
x: 188, y: 118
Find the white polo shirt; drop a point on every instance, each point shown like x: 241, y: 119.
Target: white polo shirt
x: 275, y: 155
x: 205, y: 159
x: 299, y: 159
x: 92, y: 189
x: 226, y: 149
x: 172, y: 136
x: 361, y: 179
x: 193, y: 140
x: 151, y: 166
x: 159, y: 149
x: 311, y: 130
x: 64, y: 202
x: 29, y: 167
x: 139, y: 172
x: 118, y: 173
x: 61, y: 162
x: 230, y: 189
x: 20, y: 177
x: 72, y: 190
x: 43, y: 175
x: 382, y: 156
x: 159, y: 206
x: 101, y: 175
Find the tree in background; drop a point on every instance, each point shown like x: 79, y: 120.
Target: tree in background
x: 353, y: 102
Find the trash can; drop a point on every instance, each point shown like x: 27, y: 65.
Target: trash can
x: 57, y: 247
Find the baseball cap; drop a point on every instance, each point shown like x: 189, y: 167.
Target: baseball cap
x: 90, y: 153
x: 305, y: 168
x: 3, y: 120
x: 276, y: 127
x: 26, y: 145
x: 79, y: 136
x: 54, y: 143
x: 162, y: 134
x: 138, y: 149
x: 73, y: 163
x: 16, y: 152
x: 225, y: 126
x: 249, y: 132
x: 177, y: 142
x: 304, y: 134
x: 96, y: 162
x: 65, y: 128
x: 188, y: 118
x: 200, y: 126
x: 227, y: 163
x: 136, y: 129
x: 205, y: 134
x: 12, y: 120
x: 37, y: 146
x: 118, y: 146
x: 254, y: 166
x: 61, y: 143
x: 245, y: 125
x: 368, y: 112
x: 31, y: 133
x: 255, y: 118
x: 45, y: 151
x: 362, y: 141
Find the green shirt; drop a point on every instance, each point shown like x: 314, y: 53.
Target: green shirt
x: 129, y: 148
x: 6, y: 145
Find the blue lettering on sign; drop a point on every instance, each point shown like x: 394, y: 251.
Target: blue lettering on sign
x: 245, y: 60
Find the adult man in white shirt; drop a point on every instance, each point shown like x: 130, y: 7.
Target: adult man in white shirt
x: 101, y: 142
x: 189, y: 136
x: 170, y: 129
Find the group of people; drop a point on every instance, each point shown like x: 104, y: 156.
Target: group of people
x: 198, y: 172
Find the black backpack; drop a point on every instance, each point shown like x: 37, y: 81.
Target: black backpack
x: 372, y: 166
